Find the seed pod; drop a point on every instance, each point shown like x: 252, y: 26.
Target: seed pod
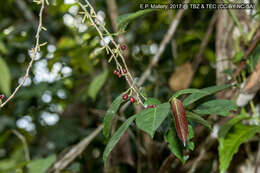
x: 125, y: 96
x: 132, y: 99
x: 123, y: 47
x: 2, y: 96
x: 124, y: 71
x: 180, y: 119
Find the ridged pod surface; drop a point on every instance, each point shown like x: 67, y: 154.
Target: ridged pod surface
x: 180, y: 119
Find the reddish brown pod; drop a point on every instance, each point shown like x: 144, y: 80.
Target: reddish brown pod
x: 180, y: 119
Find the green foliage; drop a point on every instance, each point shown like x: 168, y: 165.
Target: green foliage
x: 97, y: 84
x: 228, y: 125
x: 194, y: 117
x: 187, y: 91
x: 216, y: 107
x: 3, y: 48
x: 111, y: 113
x: 41, y: 165
x: 150, y: 119
x: 13, y: 162
x: 190, y: 144
x: 124, y: 19
x: 76, y: 45
x: 253, y: 58
x: 208, y: 91
x: 229, y: 145
x: 238, y: 56
x: 175, y: 145
x: 5, y: 77
x: 116, y: 137
x: 151, y: 101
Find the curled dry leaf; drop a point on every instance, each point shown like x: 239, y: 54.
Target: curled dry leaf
x: 180, y: 119
x: 182, y: 77
x: 253, y: 84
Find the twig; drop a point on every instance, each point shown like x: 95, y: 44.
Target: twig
x: 74, y: 152
x: 234, y: 17
x: 257, y: 160
x: 113, y: 13
x: 205, y: 41
x: 252, y: 85
x: 26, y: 11
x: 107, y: 87
x: 248, y: 52
x: 203, y: 148
x: 25, y: 146
x: 174, y: 47
x: 30, y: 17
x: 203, y: 45
x: 166, y: 163
x: 34, y: 53
x: 174, y: 24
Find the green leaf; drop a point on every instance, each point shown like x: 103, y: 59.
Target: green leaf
x: 116, y: 137
x: 187, y: 91
x: 190, y: 144
x: 229, y: 146
x: 97, y: 84
x: 3, y: 47
x: 151, y: 101
x: 194, y: 117
x: 216, y: 107
x: 111, y: 113
x: 228, y: 125
x: 150, y: 119
x: 208, y: 91
x: 175, y: 144
x: 122, y: 20
x: 238, y: 56
x: 41, y: 165
x: 5, y: 77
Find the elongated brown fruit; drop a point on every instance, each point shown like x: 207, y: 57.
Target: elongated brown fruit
x: 180, y: 119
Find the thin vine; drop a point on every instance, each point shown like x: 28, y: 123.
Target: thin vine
x: 115, y: 52
x: 33, y: 51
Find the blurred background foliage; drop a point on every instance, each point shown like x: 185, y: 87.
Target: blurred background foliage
x: 56, y: 107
